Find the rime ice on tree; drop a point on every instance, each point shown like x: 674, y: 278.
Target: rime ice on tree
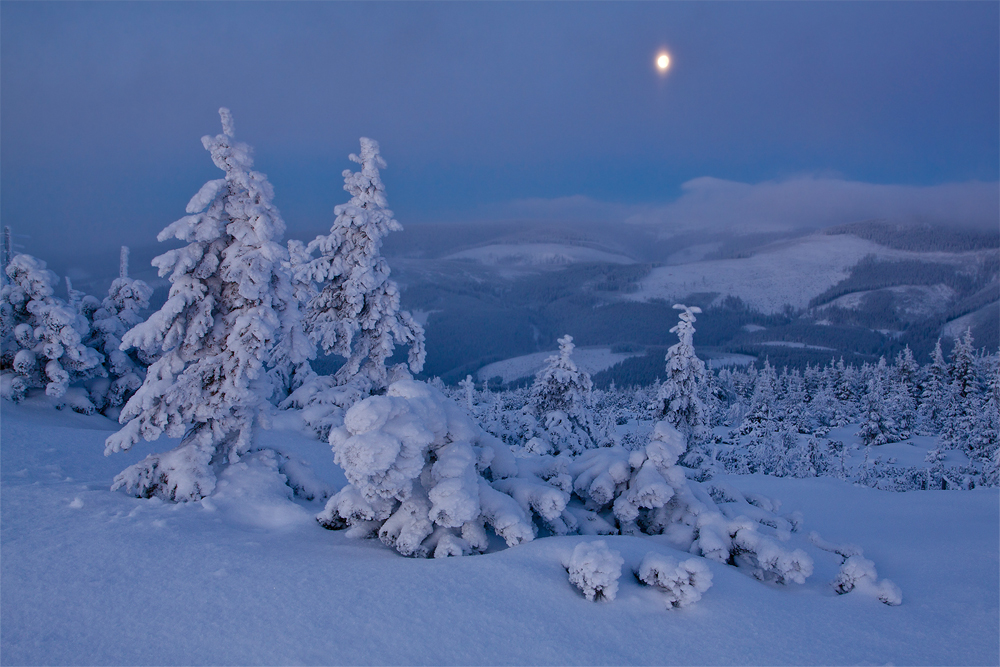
x: 417, y: 468
x: 355, y: 313
x: 216, y: 333
x: 560, y: 397
x: 679, y: 400
x: 42, y: 336
x: 119, y: 312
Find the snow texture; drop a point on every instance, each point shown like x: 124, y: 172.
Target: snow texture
x: 73, y: 577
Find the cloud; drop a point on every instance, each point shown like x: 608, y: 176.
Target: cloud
x: 708, y: 204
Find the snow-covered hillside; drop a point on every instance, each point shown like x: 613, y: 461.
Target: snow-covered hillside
x: 789, y: 272
x: 247, y: 576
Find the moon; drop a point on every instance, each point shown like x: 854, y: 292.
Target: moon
x: 663, y: 62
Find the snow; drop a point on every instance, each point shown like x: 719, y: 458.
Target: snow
x: 915, y: 301
x: 589, y: 360
x: 245, y: 576
x: 790, y: 272
x: 537, y: 255
x: 958, y: 326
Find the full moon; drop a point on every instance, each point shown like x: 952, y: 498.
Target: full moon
x: 663, y: 61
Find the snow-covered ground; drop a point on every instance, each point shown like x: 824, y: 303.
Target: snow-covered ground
x: 789, y: 272
x: 914, y: 300
x: 537, y: 254
x: 591, y: 360
x: 247, y: 576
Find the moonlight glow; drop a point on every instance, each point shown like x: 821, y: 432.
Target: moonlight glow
x: 663, y: 62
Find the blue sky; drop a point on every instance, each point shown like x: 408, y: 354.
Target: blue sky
x: 480, y: 107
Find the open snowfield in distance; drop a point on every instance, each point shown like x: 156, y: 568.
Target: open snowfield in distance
x: 788, y: 272
x: 246, y: 576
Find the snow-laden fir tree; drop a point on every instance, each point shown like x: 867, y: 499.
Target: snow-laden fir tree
x: 936, y: 394
x: 560, y: 399
x: 42, y: 336
x: 355, y: 312
x: 352, y: 305
x: 214, y: 338
x: 960, y: 411
x: 877, y: 425
x: 119, y: 312
x: 679, y: 399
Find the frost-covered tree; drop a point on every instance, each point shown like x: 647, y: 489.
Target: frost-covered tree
x: 679, y: 400
x: 560, y: 399
x: 119, y: 312
x: 428, y: 481
x: 214, y: 338
x: 42, y: 336
x: 355, y: 311
x: 877, y: 426
x: 936, y: 394
x: 959, y: 415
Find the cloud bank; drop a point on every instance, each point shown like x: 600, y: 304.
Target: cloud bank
x: 713, y: 204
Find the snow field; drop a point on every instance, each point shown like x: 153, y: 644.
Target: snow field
x: 247, y: 576
x: 790, y: 272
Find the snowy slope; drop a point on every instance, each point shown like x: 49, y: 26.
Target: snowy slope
x: 247, y: 577
x: 790, y: 272
x: 591, y: 360
x: 537, y: 254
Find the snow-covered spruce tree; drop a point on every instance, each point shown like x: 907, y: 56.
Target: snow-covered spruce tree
x: 215, y: 336
x: 877, y: 425
x: 356, y: 311
x: 353, y: 309
x: 960, y: 412
x: 679, y: 400
x: 119, y: 312
x: 560, y: 400
x: 42, y: 337
x: 936, y: 394
x: 425, y: 478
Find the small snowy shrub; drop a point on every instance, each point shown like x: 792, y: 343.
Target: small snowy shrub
x: 420, y: 472
x: 648, y: 492
x: 682, y: 583
x: 595, y: 570
x: 858, y: 573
